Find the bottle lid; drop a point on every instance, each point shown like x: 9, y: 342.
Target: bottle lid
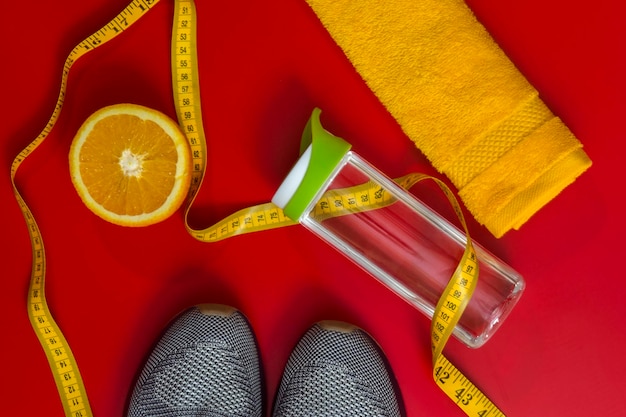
x: 322, y: 154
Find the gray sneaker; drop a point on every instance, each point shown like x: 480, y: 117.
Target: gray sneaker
x: 206, y: 364
x: 336, y: 370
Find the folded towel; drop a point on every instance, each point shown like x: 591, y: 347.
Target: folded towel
x: 461, y: 101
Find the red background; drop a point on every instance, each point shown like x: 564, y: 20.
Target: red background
x: 263, y: 66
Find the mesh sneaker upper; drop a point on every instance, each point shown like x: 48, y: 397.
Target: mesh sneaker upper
x: 204, y: 365
x: 336, y: 373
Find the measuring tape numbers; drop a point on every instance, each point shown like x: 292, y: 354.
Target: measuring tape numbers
x: 186, y: 87
x: 61, y: 360
x: 448, y: 311
x: 186, y: 92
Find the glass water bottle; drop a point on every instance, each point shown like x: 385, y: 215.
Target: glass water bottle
x: 411, y: 249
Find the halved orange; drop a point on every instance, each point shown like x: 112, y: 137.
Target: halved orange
x: 130, y: 164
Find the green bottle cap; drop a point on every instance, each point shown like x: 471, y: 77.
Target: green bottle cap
x: 321, y: 154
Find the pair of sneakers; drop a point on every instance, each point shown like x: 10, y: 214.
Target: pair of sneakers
x: 207, y: 364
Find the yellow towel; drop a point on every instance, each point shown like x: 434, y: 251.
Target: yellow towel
x: 461, y: 100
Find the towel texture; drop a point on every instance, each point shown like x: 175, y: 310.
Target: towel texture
x: 462, y: 102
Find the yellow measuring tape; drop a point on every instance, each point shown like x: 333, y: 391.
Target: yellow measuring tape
x: 186, y: 90
x: 60, y: 357
x: 186, y: 87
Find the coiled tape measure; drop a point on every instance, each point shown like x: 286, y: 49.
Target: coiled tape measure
x: 186, y: 92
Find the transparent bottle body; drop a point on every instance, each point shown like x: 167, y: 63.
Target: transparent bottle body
x: 414, y: 251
